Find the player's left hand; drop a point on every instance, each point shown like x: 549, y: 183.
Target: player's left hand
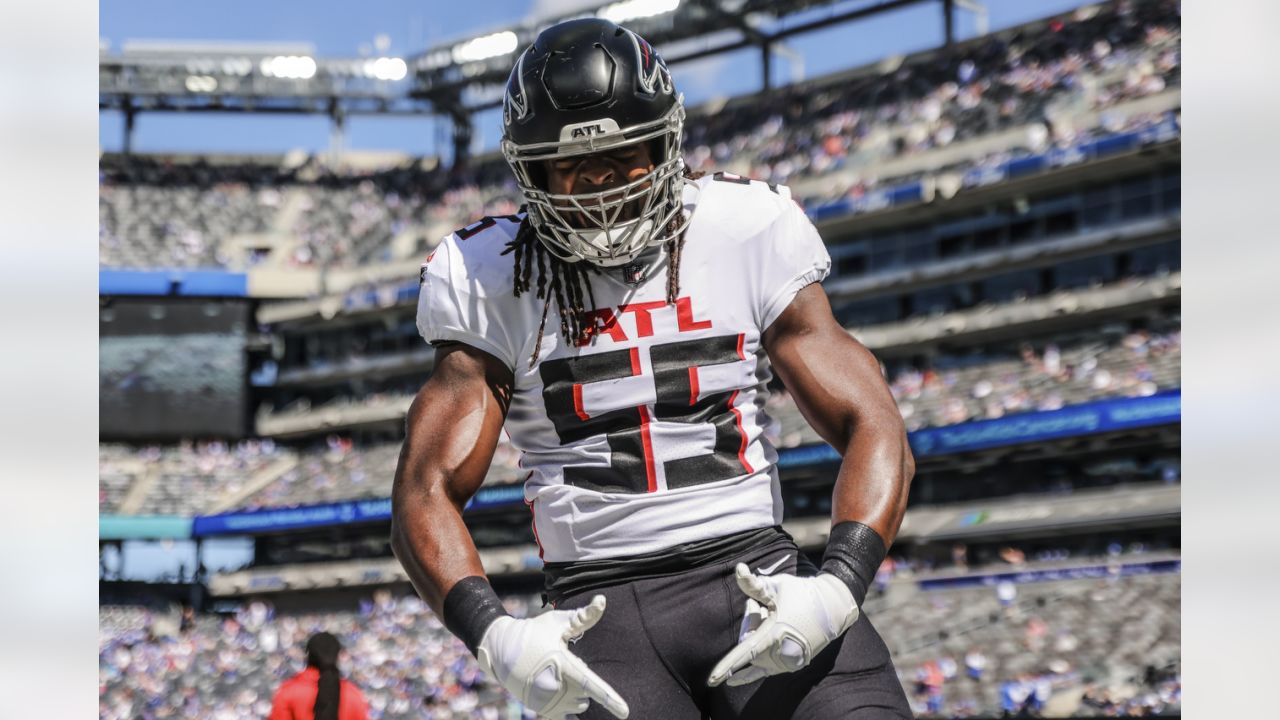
x: 789, y: 621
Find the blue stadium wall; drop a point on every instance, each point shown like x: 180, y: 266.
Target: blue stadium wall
x: 173, y: 283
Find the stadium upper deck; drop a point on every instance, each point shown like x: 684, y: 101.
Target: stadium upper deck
x: 1047, y: 85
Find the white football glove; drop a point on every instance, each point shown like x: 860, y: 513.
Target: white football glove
x: 789, y: 620
x: 531, y: 659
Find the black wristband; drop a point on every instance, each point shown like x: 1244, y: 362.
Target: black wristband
x: 470, y: 608
x: 854, y: 553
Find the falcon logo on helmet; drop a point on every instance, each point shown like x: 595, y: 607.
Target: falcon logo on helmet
x: 515, y: 105
x: 588, y: 86
x: 653, y: 71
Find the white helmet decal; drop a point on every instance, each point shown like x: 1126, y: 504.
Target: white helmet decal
x: 653, y: 75
x: 515, y: 105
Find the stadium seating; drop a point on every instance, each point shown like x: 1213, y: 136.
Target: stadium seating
x: 1069, y: 635
x: 1066, y: 634
x: 119, y: 467
x: 181, y: 480
x: 1142, y: 365
x: 1055, y: 85
x: 343, y: 471
x: 340, y: 471
x: 1000, y: 82
x: 122, y: 619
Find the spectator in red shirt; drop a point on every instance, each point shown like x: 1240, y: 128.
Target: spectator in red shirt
x: 319, y: 692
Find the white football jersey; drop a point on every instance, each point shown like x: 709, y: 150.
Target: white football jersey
x: 652, y: 434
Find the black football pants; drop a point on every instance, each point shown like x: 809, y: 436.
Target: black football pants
x: 660, y: 637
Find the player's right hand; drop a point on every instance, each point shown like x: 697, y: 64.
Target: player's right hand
x: 531, y: 659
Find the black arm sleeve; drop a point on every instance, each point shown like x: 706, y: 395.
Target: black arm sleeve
x: 470, y: 608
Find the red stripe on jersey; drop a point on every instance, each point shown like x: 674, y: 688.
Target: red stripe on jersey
x: 693, y: 386
x: 533, y: 520
x: 737, y: 414
x: 737, y: 418
x: 577, y: 403
x: 650, y: 474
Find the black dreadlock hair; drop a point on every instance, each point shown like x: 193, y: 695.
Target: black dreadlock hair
x: 570, y: 283
x: 322, y: 654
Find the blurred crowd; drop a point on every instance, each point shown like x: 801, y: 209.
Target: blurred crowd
x: 182, y: 479
x: 336, y: 470
x: 166, y: 212
x: 1100, y: 57
x: 1049, y: 378
x: 1092, y: 647
x: 407, y: 665
x: 163, y: 212
x: 1140, y: 365
x: 1076, y: 648
x: 341, y: 469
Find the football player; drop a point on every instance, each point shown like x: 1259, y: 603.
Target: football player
x: 623, y: 328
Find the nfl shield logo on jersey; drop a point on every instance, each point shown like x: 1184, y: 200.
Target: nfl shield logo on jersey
x: 632, y: 273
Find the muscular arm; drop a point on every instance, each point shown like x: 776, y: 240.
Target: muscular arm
x: 837, y: 385
x: 839, y: 389
x: 452, y: 430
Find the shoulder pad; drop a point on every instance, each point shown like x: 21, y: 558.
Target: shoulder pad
x: 727, y: 177
x: 740, y: 207
x: 486, y: 222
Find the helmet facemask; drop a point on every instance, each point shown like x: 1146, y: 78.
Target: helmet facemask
x: 610, y: 227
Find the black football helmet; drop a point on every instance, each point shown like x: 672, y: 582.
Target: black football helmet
x: 587, y: 86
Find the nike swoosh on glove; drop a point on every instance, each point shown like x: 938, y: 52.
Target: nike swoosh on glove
x: 531, y: 659
x: 789, y: 620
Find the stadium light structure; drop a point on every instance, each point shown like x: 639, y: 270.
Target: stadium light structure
x: 240, y: 67
x: 626, y: 10
x: 485, y: 47
x: 465, y: 76
x: 290, y: 67
x: 455, y: 79
x: 201, y: 83
x: 386, y: 68
x: 251, y: 79
x: 232, y: 77
x: 442, y: 74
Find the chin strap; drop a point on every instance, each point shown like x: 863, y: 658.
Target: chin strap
x: 603, y: 239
